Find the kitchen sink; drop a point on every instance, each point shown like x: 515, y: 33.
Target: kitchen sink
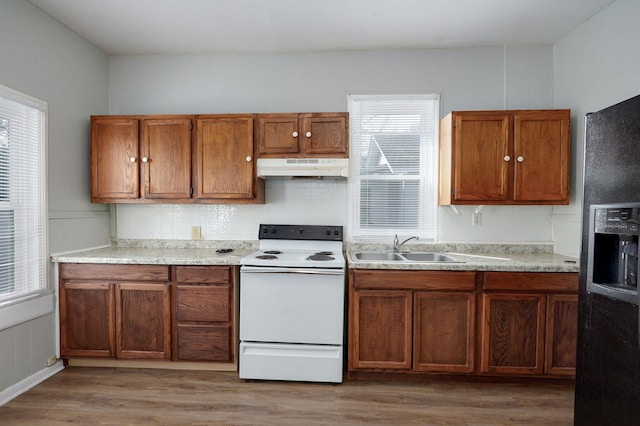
x: 405, y: 257
x: 379, y: 256
x: 428, y: 257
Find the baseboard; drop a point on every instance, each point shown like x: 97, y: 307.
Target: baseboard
x: 25, y: 384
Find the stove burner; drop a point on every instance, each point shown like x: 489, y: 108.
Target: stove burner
x: 273, y: 252
x: 320, y: 256
x: 324, y: 253
x: 266, y: 257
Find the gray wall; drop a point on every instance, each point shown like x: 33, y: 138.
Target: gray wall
x: 596, y: 65
x: 474, y: 78
x: 44, y: 59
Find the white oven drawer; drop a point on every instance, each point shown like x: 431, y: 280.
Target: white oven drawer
x: 310, y: 363
x: 292, y: 308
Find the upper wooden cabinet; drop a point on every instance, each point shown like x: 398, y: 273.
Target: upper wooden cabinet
x: 302, y: 135
x: 152, y: 159
x: 129, y: 150
x: 505, y: 157
x: 225, y: 159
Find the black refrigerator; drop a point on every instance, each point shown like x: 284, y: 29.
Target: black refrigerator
x: 608, y: 352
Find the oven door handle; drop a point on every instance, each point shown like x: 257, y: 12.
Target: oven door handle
x: 284, y: 270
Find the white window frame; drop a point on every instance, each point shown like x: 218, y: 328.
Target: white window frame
x: 27, y: 199
x: 427, y: 178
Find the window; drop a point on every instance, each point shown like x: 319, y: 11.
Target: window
x: 394, y: 162
x: 23, y: 245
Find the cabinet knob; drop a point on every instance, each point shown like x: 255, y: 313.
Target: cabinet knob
x: 248, y: 158
x: 520, y: 159
x: 308, y: 134
x: 295, y: 134
x: 507, y: 158
x: 145, y: 159
x: 132, y: 159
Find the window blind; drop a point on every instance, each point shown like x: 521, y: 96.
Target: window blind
x: 23, y: 244
x: 394, y: 161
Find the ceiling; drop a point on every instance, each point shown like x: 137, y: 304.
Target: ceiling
x: 125, y: 27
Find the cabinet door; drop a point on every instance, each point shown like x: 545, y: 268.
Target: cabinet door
x: 513, y: 333
x: 542, y: 150
x: 166, y: 158
x: 87, y: 320
x: 225, y: 158
x: 381, y: 330
x: 114, y: 159
x: 482, y: 156
x: 325, y: 134
x: 444, y: 331
x: 277, y: 134
x: 561, y: 336
x: 143, y: 320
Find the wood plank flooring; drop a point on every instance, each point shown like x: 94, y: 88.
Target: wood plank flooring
x: 118, y: 396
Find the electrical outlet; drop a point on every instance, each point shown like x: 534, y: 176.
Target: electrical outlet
x: 52, y: 360
x: 477, y: 219
x: 196, y: 233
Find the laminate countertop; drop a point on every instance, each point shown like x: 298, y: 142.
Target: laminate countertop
x: 473, y: 257
x: 159, y: 252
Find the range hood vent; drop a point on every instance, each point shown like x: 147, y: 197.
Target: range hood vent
x: 293, y: 167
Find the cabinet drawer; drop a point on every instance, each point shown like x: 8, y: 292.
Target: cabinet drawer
x: 203, y: 274
x: 204, y: 343
x: 99, y: 271
x: 414, y: 280
x: 204, y: 303
x: 528, y: 281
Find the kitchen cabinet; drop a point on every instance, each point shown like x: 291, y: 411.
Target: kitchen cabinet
x: 529, y: 323
x: 419, y: 321
x: 138, y: 159
x: 505, y: 157
x: 205, y: 306
x: 225, y: 160
x: 302, y: 135
x: 115, y: 311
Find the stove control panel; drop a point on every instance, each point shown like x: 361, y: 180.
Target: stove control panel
x: 300, y: 232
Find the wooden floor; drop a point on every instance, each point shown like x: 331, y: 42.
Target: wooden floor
x: 109, y: 396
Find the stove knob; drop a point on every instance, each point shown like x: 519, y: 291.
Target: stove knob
x: 300, y: 231
x: 336, y: 232
x: 273, y: 230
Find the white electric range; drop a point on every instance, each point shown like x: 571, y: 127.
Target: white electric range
x: 292, y: 305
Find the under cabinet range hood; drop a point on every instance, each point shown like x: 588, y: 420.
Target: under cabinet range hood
x: 303, y: 167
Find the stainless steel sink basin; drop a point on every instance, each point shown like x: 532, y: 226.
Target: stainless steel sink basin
x: 428, y: 257
x: 405, y: 257
x: 387, y: 257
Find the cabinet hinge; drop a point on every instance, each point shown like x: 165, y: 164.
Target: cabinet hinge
x: 190, y: 126
x: 191, y: 192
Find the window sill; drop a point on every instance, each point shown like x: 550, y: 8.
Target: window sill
x: 18, y: 313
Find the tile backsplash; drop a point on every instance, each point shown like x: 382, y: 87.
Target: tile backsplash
x: 288, y: 201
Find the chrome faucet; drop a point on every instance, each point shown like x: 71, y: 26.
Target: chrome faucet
x: 397, y: 245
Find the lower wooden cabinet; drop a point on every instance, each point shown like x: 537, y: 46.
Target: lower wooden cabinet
x: 529, y: 323
x: 87, y: 319
x: 444, y: 331
x: 381, y: 329
x: 513, y: 333
x: 143, y: 320
x: 459, y: 322
x: 561, y: 334
x: 205, y: 307
x: 147, y: 312
x: 412, y: 321
x: 120, y: 311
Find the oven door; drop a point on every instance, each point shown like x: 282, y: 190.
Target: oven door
x: 292, y: 305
